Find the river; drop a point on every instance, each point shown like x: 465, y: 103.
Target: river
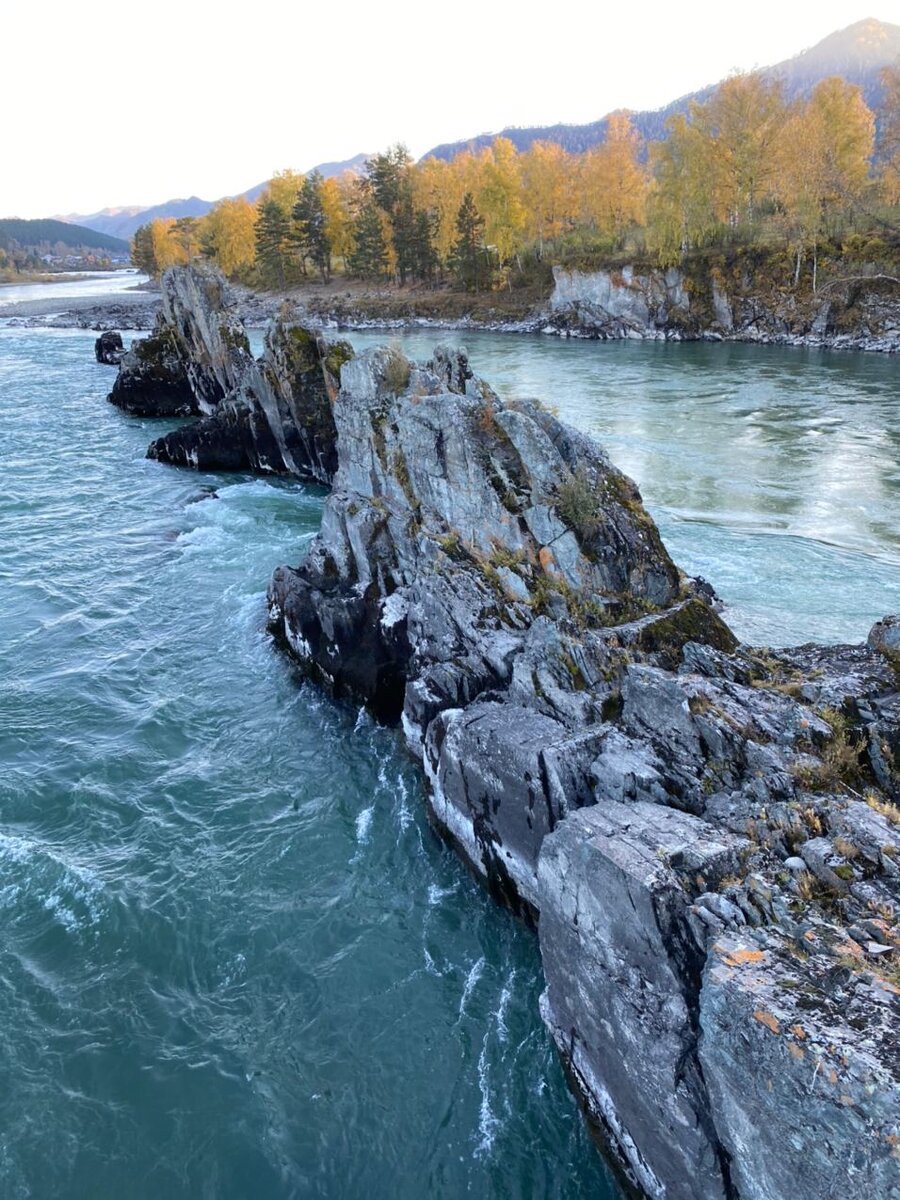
x: 235, y: 961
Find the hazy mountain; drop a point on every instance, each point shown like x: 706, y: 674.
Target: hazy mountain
x: 33, y: 234
x: 122, y: 222
x: 857, y: 53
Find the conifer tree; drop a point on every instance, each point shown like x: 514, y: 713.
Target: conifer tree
x: 469, y: 256
x: 310, y: 225
x: 369, y: 256
x: 273, y: 244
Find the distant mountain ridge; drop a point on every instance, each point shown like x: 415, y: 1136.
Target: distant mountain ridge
x: 857, y: 53
x: 47, y: 231
x: 122, y: 222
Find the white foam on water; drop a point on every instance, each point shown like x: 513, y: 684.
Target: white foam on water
x: 364, y: 824
x: 505, y: 996
x: 488, y: 1122
x: 471, y: 982
x: 404, y: 815
x: 59, y: 886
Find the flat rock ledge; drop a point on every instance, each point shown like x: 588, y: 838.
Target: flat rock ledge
x: 706, y: 835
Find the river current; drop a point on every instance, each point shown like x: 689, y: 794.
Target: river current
x: 235, y: 962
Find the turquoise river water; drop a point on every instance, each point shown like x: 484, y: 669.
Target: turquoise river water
x: 234, y: 960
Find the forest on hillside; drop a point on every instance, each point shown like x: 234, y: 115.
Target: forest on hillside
x: 27, y: 246
x: 744, y: 170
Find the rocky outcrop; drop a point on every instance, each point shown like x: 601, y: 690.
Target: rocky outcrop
x: 706, y: 834
x: 674, y: 305
x: 153, y: 380
x: 278, y: 419
x: 196, y: 355
x: 269, y: 415
x: 109, y: 349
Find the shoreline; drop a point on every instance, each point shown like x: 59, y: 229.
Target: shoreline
x: 136, y: 309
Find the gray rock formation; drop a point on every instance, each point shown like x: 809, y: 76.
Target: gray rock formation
x: 279, y: 417
x: 270, y: 415
x: 196, y: 355
x: 708, y: 834
x: 666, y: 304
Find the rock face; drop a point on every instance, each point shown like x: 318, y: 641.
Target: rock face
x: 108, y: 349
x: 196, y: 354
x: 152, y: 379
x: 666, y: 304
x: 270, y: 415
x: 279, y: 417
x: 707, y: 834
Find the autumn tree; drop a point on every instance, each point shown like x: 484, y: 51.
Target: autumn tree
x: 612, y: 182
x: 185, y: 232
x: 825, y: 169
x: 500, y: 199
x: 337, y: 203
x: 154, y: 250
x: 548, y: 191
x: 889, y: 135
x: 227, y: 235
x: 682, y: 202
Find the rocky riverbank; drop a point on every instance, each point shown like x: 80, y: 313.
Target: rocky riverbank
x: 607, y: 305
x: 705, y: 834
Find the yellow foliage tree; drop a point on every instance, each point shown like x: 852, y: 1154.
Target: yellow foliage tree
x: 337, y: 200
x: 499, y: 197
x: 612, y: 182
x: 166, y: 251
x: 227, y: 235
x: 890, y: 135
x: 548, y: 192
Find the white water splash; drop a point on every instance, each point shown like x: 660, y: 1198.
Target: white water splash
x: 471, y: 981
x: 364, y: 824
x: 488, y: 1122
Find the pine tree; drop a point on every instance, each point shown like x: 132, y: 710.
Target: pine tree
x: 142, y: 254
x: 469, y: 258
x: 310, y: 225
x: 273, y: 243
x: 369, y: 257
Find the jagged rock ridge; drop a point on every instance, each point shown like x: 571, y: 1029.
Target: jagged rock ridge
x: 271, y: 415
x: 707, y: 834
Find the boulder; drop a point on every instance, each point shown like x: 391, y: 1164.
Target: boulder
x: 108, y: 348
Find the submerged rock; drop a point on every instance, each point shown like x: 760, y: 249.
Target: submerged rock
x: 607, y: 757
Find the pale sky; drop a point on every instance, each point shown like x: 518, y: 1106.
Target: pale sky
x: 106, y: 105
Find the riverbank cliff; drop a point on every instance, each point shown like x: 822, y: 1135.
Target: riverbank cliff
x: 706, y: 835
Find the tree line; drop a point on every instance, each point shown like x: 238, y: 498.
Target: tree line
x: 745, y: 168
